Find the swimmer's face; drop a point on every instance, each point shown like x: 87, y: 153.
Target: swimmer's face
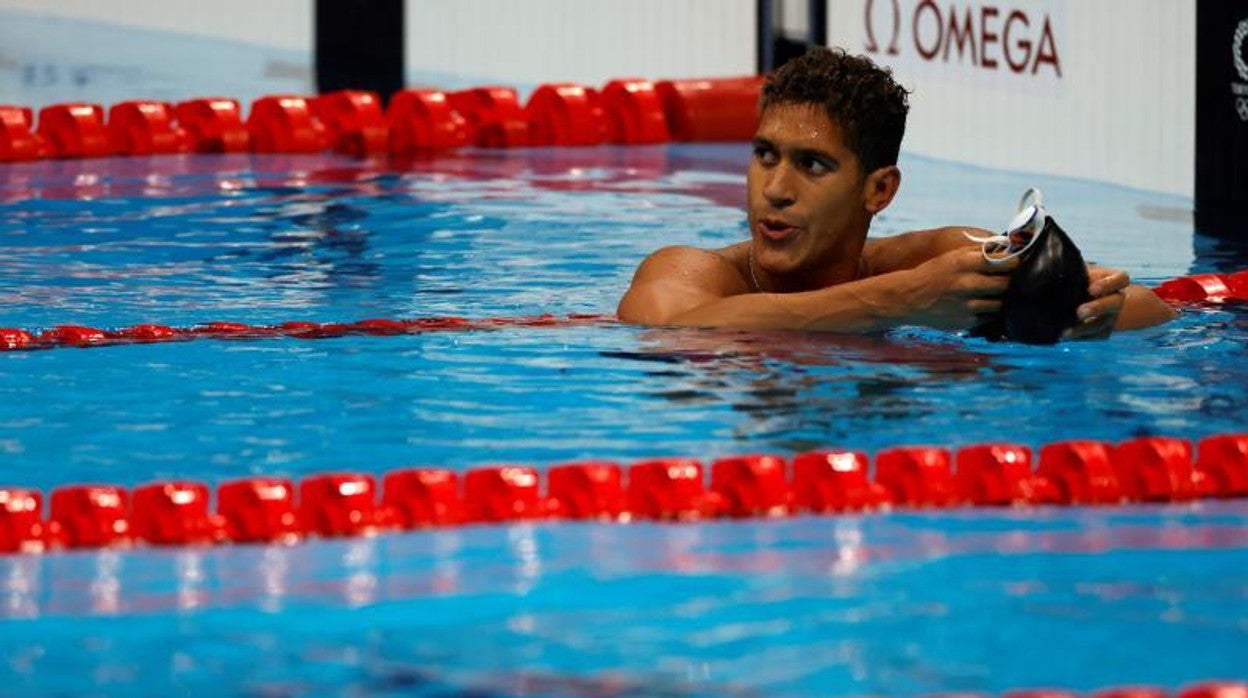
x: 810, y: 203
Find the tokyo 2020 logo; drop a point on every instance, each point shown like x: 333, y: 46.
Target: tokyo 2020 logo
x: 1237, y: 49
x: 1241, y: 67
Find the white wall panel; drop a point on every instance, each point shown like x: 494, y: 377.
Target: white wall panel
x: 277, y: 23
x: 1122, y: 109
x: 106, y: 51
x: 794, y: 20
x: 454, y: 43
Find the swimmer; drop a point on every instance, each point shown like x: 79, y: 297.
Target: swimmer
x: 824, y: 164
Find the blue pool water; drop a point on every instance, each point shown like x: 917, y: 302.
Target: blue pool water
x: 892, y: 604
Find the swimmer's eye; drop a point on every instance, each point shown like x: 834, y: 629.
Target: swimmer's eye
x: 765, y: 154
x: 816, y: 165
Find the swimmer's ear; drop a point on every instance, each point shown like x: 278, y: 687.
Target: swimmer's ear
x: 880, y: 188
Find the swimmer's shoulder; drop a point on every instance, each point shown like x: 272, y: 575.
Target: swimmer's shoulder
x: 678, y: 278
x: 723, y: 269
x: 881, y: 255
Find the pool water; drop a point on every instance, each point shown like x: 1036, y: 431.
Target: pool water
x: 895, y: 604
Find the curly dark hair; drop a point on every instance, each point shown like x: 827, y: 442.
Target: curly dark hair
x: 861, y: 97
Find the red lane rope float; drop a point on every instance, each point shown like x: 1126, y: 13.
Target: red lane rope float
x: 145, y: 128
x: 284, y: 124
x: 16, y: 140
x: 634, y: 112
x: 494, y: 116
x: 711, y: 110
x: 59, y: 336
x: 1206, y: 288
x: 354, y: 122
x: 565, y: 115
x: 337, y: 504
x: 213, y: 125
x: 423, y: 120
x: 74, y: 131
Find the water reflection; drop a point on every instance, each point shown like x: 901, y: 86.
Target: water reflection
x: 522, y: 543
x: 259, y: 574
x: 799, y: 391
x: 359, y: 564
x: 901, y: 603
x: 22, y: 586
x: 1218, y: 255
x: 105, y: 585
x: 807, y: 390
x: 191, y: 578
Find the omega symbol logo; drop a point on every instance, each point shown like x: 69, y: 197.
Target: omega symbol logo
x: 872, y: 45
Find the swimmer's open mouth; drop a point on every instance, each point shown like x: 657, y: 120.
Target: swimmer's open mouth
x: 775, y: 229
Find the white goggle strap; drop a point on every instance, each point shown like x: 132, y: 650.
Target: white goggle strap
x: 1031, y: 216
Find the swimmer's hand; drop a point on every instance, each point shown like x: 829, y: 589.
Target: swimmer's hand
x: 957, y: 290
x: 1099, y: 316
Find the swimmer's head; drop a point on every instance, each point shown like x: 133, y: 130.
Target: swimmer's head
x: 859, y: 96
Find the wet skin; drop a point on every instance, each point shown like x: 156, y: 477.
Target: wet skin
x: 809, y: 265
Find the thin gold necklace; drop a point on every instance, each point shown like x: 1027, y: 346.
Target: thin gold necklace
x: 750, y: 254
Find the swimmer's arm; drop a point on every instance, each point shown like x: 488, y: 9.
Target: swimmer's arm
x: 1143, y: 308
x: 684, y: 286
x: 837, y: 309
x: 909, y: 250
x: 1136, y: 307
x: 1117, y: 304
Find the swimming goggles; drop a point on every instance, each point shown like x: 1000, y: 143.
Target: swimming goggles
x: 1023, y: 232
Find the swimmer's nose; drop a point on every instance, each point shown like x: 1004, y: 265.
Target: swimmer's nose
x: 778, y: 186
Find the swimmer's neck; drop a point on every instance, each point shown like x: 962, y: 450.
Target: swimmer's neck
x: 844, y: 269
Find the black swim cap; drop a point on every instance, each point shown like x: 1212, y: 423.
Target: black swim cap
x: 1044, y: 291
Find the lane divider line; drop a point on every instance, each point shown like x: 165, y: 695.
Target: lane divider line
x: 1199, y: 289
x: 824, y: 482
x: 629, y: 111
x: 1203, y: 689
x: 59, y: 336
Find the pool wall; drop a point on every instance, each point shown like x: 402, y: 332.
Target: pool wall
x: 85, y: 50
x: 1103, y: 90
